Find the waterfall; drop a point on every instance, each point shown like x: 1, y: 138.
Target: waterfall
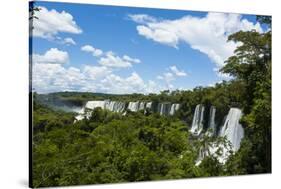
x: 197, y: 123
x: 95, y: 104
x: 164, y: 108
x: 141, y: 106
x: 234, y: 133
x: 148, y: 105
x: 79, y: 117
x: 109, y: 105
x: 232, y: 129
x: 211, y: 123
x: 120, y: 107
x: 160, y: 108
x: 115, y: 106
x: 133, y: 106
x: 174, y: 108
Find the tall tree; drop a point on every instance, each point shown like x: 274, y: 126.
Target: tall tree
x: 251, y: 64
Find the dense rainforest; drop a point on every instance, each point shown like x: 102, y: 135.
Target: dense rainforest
x: 110, y: 147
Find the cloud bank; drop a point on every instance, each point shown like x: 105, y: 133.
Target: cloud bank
x: 50, y: 74
x: 206, y: 34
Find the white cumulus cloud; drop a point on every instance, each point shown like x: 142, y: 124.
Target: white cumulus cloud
x: 134, y: 60
x: 169, y: 77
x: 91, y: 49
x: 110, y: 59
x: 177, y: 72
x: 114, y: 61
x: 96, y: 72
x: 52, y: 22
x: 131, y: 84
x: 206, y: 34
x: 52, y: 56
x: 68, y: 41
x: 54, y: 77
x: 141, y: 18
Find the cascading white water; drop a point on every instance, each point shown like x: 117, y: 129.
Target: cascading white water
x: 211, y: 122
x: 109, y: 105
x: 232, y: 129
x: 197, y: 123
x: 95, y: 104
x: 234, y: 133
x: 148, y: 105
x: 118, y: 106
x: 115, y: 106
x: 79, y: 117
x: 141, y: 106
x: 80, y: 112
x: 133, y: 106
x: 174, y: 108
x: 164, y: 108
x: 90, y: 105
x: 161, y: 108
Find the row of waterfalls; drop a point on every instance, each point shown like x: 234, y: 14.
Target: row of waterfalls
x: 203, y: 123
x: 164, y: 109
x: 231, y: 129
x: 197, y: 126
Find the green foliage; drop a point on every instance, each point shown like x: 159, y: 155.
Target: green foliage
x: 251, y: 64
x: 109, y: 147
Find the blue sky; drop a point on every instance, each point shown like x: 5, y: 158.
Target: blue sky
x: 137, y: 49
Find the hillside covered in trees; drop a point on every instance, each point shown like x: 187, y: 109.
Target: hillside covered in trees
x: 110, y: 147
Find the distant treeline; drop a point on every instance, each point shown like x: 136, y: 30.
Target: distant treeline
x: 110, y: 147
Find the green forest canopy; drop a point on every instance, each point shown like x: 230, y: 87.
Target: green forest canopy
x: 110, y: 148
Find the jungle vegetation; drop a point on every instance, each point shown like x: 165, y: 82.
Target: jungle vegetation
x: 112, y: 148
